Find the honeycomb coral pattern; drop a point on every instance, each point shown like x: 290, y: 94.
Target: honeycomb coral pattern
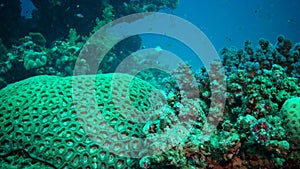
x: 291, y: 113
x: 61, y: 125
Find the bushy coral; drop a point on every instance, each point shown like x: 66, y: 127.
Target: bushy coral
x: 58, y: 20
x: 258, y: 83
x: 263, y: 80
x: 260, y: 131
x: 54, y: 18
x: 33, y: 60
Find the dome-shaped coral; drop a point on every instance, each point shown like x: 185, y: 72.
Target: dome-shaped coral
x: 291, y: 113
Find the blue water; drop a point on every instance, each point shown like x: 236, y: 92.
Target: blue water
x: 227, y: 23
x: 232, y: 22
x: 27, y: 8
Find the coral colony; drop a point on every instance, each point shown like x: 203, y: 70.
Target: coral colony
x: 42, y: 124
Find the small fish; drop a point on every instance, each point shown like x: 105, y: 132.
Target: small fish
x: 290, y: 20
x: 79, y: 15
x: 66, y: 10
x: 228, y: 38
x: 158, y: 48
x: 257, y: 10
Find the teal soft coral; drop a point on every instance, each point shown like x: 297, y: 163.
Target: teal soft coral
x: 41, y: 116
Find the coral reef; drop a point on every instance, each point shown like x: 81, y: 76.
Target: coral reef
x: 261, y: 97
x: 253, y: 133
x: 62, y: 25
x: 258, y: 127
x: 55, y: 18
x: 260, y: 131
x: 58, y: 29
x: 58, y: 126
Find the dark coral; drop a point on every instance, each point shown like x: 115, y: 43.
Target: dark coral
x: 54, y: 18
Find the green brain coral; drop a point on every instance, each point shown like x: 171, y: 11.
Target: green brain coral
x: 291, y: 113
x: 73, y: 121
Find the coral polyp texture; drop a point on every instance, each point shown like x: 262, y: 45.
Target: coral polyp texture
x: 291, y: 113
x: 61, y: 125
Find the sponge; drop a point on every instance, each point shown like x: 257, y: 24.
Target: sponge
x: 70, y: 122
x: 291, y: 113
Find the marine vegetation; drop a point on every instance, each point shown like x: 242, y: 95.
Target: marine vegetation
x: 50, y: 118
